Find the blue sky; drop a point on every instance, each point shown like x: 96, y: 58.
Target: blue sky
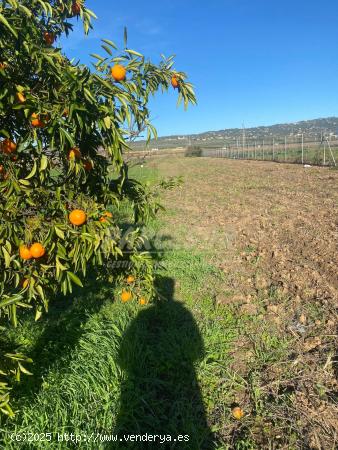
x: 254, y: 61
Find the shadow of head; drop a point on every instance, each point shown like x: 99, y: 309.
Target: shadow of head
x: 165, y: 334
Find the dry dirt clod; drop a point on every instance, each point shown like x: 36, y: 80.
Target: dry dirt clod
x: 223, y: 299
x: 311, y: 343
x: 239, y: 298
x: 272, y: 308
x: 302, y: 319
x: 248, y: 299
x: 249, y: 308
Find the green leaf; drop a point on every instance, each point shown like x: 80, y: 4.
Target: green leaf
x: 24, y: 182
x: 91, y: 13
x: 14, y: 319
x: 107, y: 41
x: 59, y: 232
x: 43, y: 163
x: 89, y: 95
x: 107, y: 122
x: 95, y: 55
x: 74, y: 278
x: 7, y: 257
x: 38, y: 314
x: 133, y: 52
x: 67, y: 136
x: 107, y: 49
x: 32, y: 172
x: 10, y: 301
x: 40, y: 291
x: 7, y: 25
x: 4, y: 133
x: 24, y: 370
x: 43, y: 6
x: 25, y: 10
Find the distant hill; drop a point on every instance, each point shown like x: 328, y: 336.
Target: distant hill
x: 312, y: 129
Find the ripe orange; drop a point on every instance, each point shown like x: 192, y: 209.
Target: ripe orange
x: 8, y: 146
x: 142, y: 301
x: 118, y: 72
x: 125, y: 296
x: 74, y: 153
x: 25, y: 283
x: 76, y: 8
x: 130, y: 279
x: 36, y: 121
x: 77, y: 217
x: 21, y: 98
x: 106, y: 214
x: 2, y: 168
x: 87, y: 165
x: 25, y: 252
x: 237, y: 413
x: 174, y: 82
x: 49, y: 37
x: 37, y: 250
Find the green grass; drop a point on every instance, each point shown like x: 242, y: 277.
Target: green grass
x: 144, y: 173
x: 101, y: 366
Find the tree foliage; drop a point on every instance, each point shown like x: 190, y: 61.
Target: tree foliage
x: 63, y: 132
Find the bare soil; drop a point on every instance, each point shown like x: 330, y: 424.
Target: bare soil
x: 272, y: 229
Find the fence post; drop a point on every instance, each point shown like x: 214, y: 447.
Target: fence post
x: 273, y: 149
x: 255, y: 149
x: 263, y: 150
x: 302, y: 148
x: 333, y: 159
x: 285, y: 148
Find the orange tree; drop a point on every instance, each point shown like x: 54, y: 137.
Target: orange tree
x: 63, y: 132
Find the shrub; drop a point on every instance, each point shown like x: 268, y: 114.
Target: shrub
x: 193, y: 151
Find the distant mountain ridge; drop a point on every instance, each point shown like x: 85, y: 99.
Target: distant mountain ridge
x: 311, y: 128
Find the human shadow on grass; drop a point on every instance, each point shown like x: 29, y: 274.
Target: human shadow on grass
x: 160, y: 393
x: 58, y: 333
